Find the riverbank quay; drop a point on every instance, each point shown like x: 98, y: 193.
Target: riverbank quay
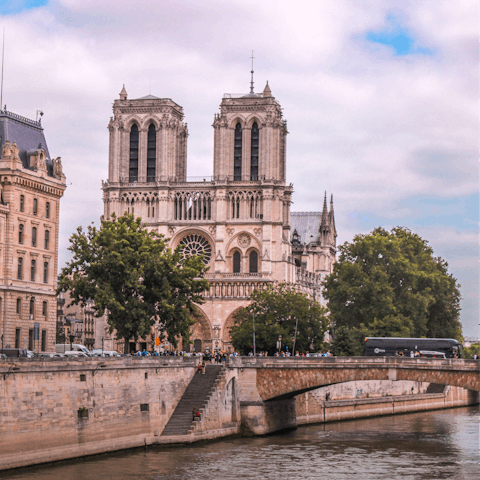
x: 55, y: 409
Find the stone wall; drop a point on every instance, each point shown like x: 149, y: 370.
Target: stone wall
x: 310, y: 409
x: 126, y: 400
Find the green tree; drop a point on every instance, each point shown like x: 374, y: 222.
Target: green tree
x: 133, y: 275
x: 276, y: 310
x: 390, y: 284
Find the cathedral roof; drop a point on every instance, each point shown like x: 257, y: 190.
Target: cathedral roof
x: 307, y: 225
x: 28, y: 134
x: 149, y: 97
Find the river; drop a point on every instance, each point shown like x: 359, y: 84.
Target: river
x: 442, y: 444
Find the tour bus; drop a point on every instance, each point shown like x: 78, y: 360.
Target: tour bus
x: 397, y: 346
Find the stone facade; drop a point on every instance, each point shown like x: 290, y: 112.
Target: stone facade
x: 239, y: 219
x: 31, y: 185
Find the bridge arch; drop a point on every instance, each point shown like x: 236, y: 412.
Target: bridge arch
x: 278, y: 379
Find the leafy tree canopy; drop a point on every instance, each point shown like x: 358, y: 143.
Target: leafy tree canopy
x: 133, y: 275
x: 276, y: 310
x: 390, y: 284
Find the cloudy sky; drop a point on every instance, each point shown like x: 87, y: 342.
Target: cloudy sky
x: 380, y: 98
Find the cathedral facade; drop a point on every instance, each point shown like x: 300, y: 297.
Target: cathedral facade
x: 239, y: 220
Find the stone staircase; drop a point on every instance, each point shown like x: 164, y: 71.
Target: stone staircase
x: 196, y: 395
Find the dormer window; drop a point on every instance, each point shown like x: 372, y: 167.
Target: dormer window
x: 296, y: 238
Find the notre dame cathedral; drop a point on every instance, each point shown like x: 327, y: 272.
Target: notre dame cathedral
x: 240, y: 220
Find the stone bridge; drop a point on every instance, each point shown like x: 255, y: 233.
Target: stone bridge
x: 267, y: 386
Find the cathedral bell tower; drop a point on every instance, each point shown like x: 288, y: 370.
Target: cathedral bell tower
x: 250, y: 138
x: 148, y: 140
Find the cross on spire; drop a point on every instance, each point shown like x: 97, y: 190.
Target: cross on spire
x: 251, y: 81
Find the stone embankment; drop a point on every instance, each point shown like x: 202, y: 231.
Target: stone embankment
x: 55, y: 409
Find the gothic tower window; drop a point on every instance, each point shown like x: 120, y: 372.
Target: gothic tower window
x: 35, y: 206
x: 20, y: 233
x: 22, y: 203
x: 47, y: 210
x: 254, y: 262
x: 47, y: 239
x: 34, y: 236
x: 236, y: 262
x: 151, y: 153
x: 133, y: 172
x: 254, y: 153
x: 32, y: 270
x: 237, y: 159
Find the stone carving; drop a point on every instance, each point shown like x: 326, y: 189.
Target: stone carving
x: 230, y: 231
x: 10, y: 150
x: 257, y: 231
x: 244, y: 240
x: 171, y: 230
x: 212, y: 229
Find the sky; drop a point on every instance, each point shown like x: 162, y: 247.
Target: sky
x: 380, y: 97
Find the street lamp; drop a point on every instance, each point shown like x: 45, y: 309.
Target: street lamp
x: 254, y: 347
x: 279, y: 344
x: 102, y: 347
x: 295, y: 336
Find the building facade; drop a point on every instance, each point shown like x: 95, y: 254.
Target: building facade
x: 239, y: 219
x: 31, y: 185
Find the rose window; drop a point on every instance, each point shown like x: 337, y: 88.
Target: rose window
x: 194, y: 244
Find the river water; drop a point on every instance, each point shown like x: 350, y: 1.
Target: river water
x: 442, y: 444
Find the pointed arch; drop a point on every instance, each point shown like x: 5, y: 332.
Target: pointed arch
x: 151, y: 152
x: 237, y: 153
x: 134, y: 147
x: 254, y: 149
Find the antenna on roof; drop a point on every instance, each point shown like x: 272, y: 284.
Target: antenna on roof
x: 3, y: 56
x: 251, y: 81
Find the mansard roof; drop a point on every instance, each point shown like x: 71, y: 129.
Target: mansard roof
x: 307, y: 226
x: 28, y: 134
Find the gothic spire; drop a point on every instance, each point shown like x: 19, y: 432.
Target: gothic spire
x: 324, y: 221
x: 251, y: 82
x: 123, y: 93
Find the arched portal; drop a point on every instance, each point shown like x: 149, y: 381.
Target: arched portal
x: 227, y: 327
x: 200, y: 333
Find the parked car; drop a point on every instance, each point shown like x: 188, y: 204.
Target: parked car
x: 14, y: 352
x: 105, y: 353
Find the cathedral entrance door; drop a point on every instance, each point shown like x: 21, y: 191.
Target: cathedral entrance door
x: 198, y: 345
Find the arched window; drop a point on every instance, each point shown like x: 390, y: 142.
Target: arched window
x: 35, y: 206
x: 20, y: 268
x: 20, y: 233
x: 47, y: 210
x: 47, y: 239
x: 133, y: 172
x: 34, y: 236
x: 45, y: 272
x: 236, y: 262
x: 254, y: 153
x: 254, y: 262
x: 237, y: 158
x: 22, y: 203
x: 32, y: 270
x: 151, y: 153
